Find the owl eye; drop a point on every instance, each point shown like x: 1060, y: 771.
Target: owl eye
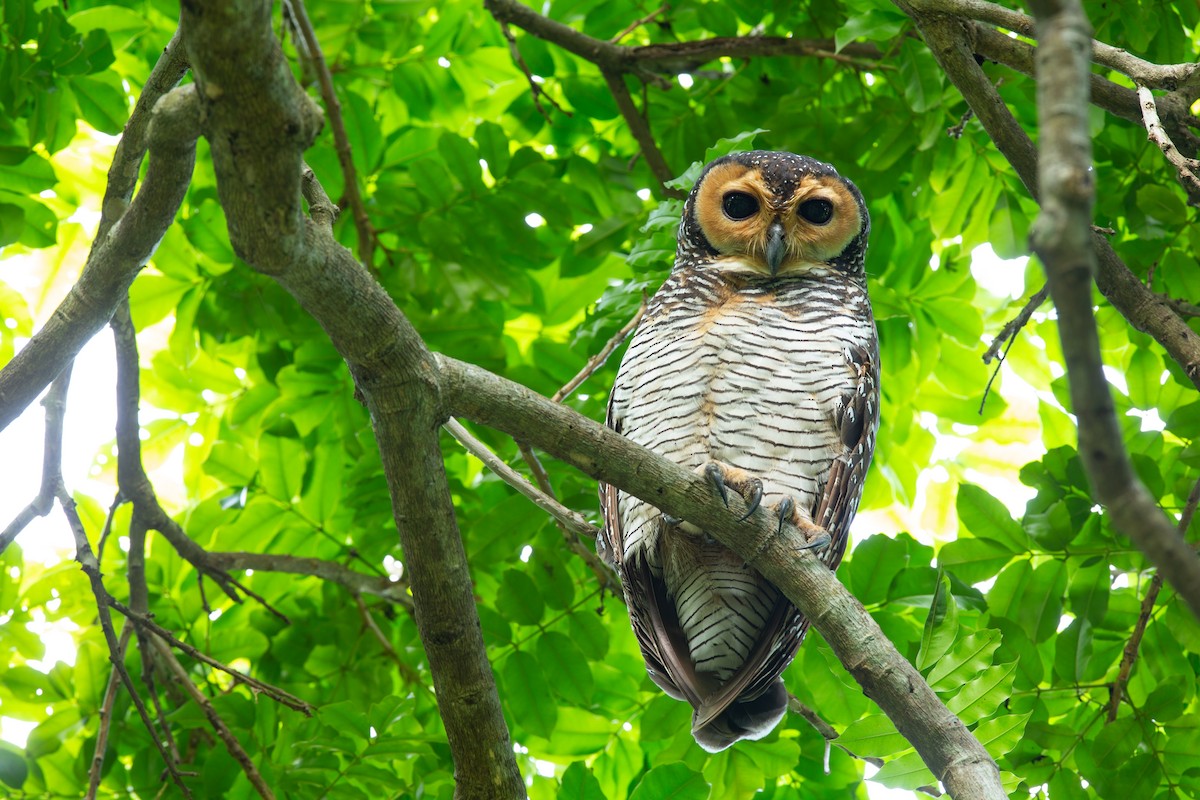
x: 738, y: 205
x: 818, y: 212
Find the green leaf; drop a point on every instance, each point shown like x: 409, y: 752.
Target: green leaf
x: 969, y: 656
x: 906, y: 772
x: 281, y: 466
x: 974, y: 560
x: 565, y: 662
x: 1001, y: 734
x: 981, y: 697
x: 102, y: 103
x: 873, y: 565
x: 874, y: 25
x: 873, y: 736
x: 519, y: 598
x: 1088, y: 592
x: 1162, y: 204
x: 941, y: 624
x: 13, y: 768
x: 525, y: 694
x: 671, y: 782
x: 987, y: 518
x: 1031, y: 597
x: 320, y: 501
x: 578, y: 783
x: 923, y: 78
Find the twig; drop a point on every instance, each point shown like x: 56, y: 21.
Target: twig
x: 143, y: 621
x: 637, y: 23
x: 535, y: 88
x: 1009, y: 334
x: 321, y: 209
x: 406, y: 670
x: 117, y: 502
x: 572, y: 524
x: 1182, y: 307
x: 55, y: 403
x: 354, y: 582
x: 642, y: 134
x: 214, y: 719
x: 362, y: 223
x: 106, y: 709
x: 1185, y: 168
x: 595, y: 362
x: 133, y: 482
x: 956, y: 131
x: 91, y: 568
x: 1129, y: 655
x: 1013, y: 326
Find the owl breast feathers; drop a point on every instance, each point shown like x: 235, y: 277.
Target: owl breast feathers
x: 757, y: 365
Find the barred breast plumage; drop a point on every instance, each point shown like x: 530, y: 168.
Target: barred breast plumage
x: 755, y: 362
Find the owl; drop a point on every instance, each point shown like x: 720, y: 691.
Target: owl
x: 757, y: 365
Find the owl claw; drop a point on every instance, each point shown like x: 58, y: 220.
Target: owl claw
x: 817, y: 542
x: 716, y: 476
x: 673, y: 522
x: 755, y: 498
x: 786, y: 510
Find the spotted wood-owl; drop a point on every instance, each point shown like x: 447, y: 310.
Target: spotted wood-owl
x: 756, y: 364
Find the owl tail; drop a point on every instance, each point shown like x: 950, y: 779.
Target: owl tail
x: 715, y: 729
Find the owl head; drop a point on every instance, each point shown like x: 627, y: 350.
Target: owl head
x: 773, y: 214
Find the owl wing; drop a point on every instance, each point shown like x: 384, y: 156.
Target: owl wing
x: 655, y: 624
x: 857, y: 419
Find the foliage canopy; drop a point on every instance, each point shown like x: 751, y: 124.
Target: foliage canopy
x: 520, y: 237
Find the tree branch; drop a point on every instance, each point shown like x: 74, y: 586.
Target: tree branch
x: 1169, y: 76
x: 1185, y: 168
x: 250, y: 99
x: 640, y: 128
x: 1063, y: 239
x: 950, y: 751
x: 55, y: 403
x: 362, y: 223
x: 115, y: 258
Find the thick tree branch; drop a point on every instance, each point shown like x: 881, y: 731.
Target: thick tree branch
x: 1145, y: 310
x: 115, y: 258
x: 948, y: 748
x: 1168, y: 76
x: 258, y: 123
x: 1062, y: 237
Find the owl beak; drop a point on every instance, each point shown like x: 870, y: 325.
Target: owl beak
x: 775, y: 246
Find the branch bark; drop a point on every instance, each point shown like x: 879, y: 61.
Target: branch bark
x: 952, y: 753
x: 258, y: 124
x: 1062, y: 237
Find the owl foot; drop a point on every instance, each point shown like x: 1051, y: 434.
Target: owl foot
x: 816, y: 536
x: 750, y: 488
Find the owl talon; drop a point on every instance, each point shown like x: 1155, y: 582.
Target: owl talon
x: 786, y: 511
x: 716, y: 476
x: 673, y: 522
x: 754, y: 500
x: 820, y: 540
